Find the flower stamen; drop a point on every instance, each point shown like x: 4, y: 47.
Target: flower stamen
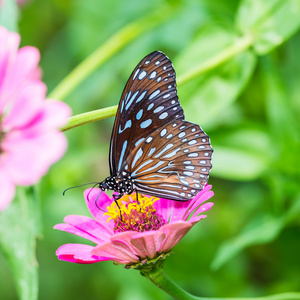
x: 134, y: 213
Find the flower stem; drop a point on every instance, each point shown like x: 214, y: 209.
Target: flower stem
x: 107, y: 50
x: 90, y: 116
x: 237, y: 47
x: 160, y: 279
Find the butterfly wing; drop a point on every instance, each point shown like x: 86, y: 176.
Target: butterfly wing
x: 148, y: 101
x: 173, y: 162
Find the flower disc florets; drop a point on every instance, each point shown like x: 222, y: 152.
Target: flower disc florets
x: 135, y: 213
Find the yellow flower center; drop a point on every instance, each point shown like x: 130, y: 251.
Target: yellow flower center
x: 134, y: 212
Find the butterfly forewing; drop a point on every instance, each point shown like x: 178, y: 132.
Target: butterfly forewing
x: 148, y: 102
x: 172, y: 162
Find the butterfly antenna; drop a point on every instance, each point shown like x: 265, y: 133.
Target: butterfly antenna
x: 76, y: 186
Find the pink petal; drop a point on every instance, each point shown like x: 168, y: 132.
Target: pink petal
x: 26, y: 105
x: 164, y: 207
x: 91, y: 226
x: 174, y: 233
x: 201, y: 209
x: 116, y: 251
x: 174, y: 211
x: 45, y: 120
x: 125, y: 238
x: 149, y: 243
x: 7, y: 189
x: 195, y: 220
x: 26, y: 66
x: 28, y: 159
x: 77, y: 253
x: 96, y: 200
x: 9, y: 42
x: 198, y: 200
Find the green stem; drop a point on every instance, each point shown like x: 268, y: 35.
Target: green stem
x: 237, y: 47
x: 91, y: 116
x: 107, y: 50
x: 161, y: 280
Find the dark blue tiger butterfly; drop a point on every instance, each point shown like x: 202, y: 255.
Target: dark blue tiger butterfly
x: 153, y: 150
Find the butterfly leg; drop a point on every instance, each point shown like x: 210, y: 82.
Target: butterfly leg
x: 116, y: 198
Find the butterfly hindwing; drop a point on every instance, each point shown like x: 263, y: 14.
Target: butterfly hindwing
x: 148, y: 101
x: 172, y: 162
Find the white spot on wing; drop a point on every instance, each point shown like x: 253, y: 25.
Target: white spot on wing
x: 163, y: 132
x: 189, y: 167
x: 127, y: 125
x: 131, y: 100
x: 158, y: 109
x: 192, y: 142
x: 163, y: 115
x: 141, y: 97
x: 169, y: 146
x: 152, y: 75
x: 122, y: 154
x: 139, y: 114
x: 142, y: 75
x: 184, y: 182
x: 139, y: 141
x: 151, y: 151
x: 188, y: 173
x: 135, y: 74
x: 146, y: 123
x: 150, y: 106
x: 138, y: 155
x: 154, y: 94
x: 149, y: 139
x: 173, y: 153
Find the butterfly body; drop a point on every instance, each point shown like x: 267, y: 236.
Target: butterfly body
x: 120, y: 183
x: 153, y: 149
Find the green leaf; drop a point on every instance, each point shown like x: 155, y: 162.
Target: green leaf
x: 19, y: 227
x: 262, y: 229
x: 237, y: 164
x: 271, y: 21
x: 207, y: 98
x: 9, y: 15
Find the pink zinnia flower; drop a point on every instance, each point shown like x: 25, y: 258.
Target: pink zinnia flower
x: 133, y: 234
x: 30, y: 141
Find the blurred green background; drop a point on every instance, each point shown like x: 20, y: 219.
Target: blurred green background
x: 249, y: 244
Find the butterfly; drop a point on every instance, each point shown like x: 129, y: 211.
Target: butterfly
x: 153, y: 150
